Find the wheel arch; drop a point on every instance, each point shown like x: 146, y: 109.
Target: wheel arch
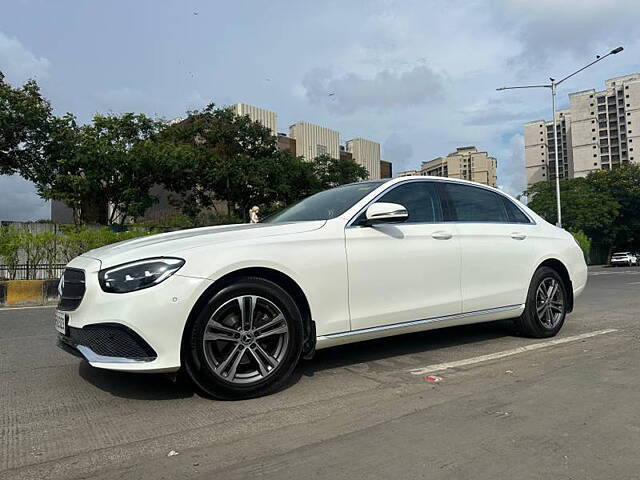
x: 279, y: 278
x: 561, y: 270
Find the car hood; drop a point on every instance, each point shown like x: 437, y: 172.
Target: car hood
x: 166, y: 244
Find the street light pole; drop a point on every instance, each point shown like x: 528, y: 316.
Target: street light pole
x: 555, y: 142
x: 553, y: 87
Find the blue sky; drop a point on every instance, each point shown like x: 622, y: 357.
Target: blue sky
x: 418, y: 76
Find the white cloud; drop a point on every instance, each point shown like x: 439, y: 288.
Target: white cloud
x: 350, y: 92
x: 397, y: 150
x: 511, y: 169
x: 549, y: 30
x: 18, y: 63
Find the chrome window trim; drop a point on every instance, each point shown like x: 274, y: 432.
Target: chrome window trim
x: 443, y: 222
x: 424, y: 321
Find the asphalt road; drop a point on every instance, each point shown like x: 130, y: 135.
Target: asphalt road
x: 567, y: 410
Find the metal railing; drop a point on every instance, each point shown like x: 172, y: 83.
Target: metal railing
x: 30, y: 272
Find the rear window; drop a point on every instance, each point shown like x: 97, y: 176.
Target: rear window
x: 515, y: 214
x: 475, y: 204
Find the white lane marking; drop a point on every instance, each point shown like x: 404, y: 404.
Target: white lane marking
x: 438, y: 367
x: 624, y: 272
x: 634, y: 283
x: 11, y: 309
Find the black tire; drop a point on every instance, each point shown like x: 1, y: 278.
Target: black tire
x: 199, y: 354
x: 530, y: 323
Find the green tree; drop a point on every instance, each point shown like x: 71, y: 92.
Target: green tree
x: 584, y: 242
x: 332, y: 172
x: 106, y: 169
x: 622, y: 184
x: 120, y: 162
x: 10, y: 245
x: 221, y: 156
x: 583, y: 207
x: 25, y: 122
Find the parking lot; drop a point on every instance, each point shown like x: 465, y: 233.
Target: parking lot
x: 464, y: 402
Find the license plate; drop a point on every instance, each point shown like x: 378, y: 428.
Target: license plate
x: 61, y: 321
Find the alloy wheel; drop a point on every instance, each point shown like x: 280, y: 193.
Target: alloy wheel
x: 549, y: 302
x: 246, y: 339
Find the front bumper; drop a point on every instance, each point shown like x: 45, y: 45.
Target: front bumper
x: 108, y: 343
x: 138, y: 331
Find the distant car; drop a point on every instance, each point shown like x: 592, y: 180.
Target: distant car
x: 624, y: 258
x: 237, y: 306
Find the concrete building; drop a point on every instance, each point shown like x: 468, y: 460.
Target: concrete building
x: 539, y: 148
x: 366, y: 153
x: 386, y: 169
x: 596, y: 132
x: 314, y: 140
x: 266, y: 117
x: 466, y: 163
x: 344, y: 155
x: 285, y: 143
x: 410, y: 173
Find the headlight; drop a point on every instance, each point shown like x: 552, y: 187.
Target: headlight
x: 138, y: 275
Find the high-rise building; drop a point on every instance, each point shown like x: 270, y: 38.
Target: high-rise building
x: 266, y: 117
x: 314, y: 140
x: 596, y: 132
x: 539, y: 148
x: 366, y: 153
x: 466, y: 163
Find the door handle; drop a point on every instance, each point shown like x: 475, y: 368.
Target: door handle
x: 518, y: 236
x: 440, y: 235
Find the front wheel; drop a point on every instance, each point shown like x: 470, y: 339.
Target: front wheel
x: 546, y: 305
x: 245, y: 342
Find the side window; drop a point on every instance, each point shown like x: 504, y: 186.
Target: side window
x: 419, y: 198
x: 475, y: 204
x: 515, y: 214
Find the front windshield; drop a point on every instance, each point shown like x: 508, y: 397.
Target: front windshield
x: 325, y: 205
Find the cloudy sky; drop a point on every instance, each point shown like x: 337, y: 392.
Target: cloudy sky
x: 418, y: 76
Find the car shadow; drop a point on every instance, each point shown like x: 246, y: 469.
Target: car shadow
x: 136, y: 386
x: 406, y: 344
x: 161, y: 387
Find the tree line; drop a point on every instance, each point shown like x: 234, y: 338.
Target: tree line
x: 211, y: 156
x: 605, y: 205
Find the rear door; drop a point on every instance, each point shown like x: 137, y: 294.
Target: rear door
x: 498, y: 249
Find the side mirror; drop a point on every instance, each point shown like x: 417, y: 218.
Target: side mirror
x: 382, y: 212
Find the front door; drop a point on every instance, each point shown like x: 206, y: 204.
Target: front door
x: 404, y: 271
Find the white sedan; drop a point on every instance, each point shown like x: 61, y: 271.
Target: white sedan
x: 236, y: 307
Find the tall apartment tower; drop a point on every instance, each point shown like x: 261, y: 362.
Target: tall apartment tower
x: 266, y: 117
x: 366, y: 153
x: 466, y: 163
x: 314, y: 140
x: 539, y: 148
x: 596, y: 132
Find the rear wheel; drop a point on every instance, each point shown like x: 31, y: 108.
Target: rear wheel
x: 245, y: 342
x: 546, y: 305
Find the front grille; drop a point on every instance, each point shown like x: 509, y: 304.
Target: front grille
x: 112, y: 340
x: 71, y: 288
